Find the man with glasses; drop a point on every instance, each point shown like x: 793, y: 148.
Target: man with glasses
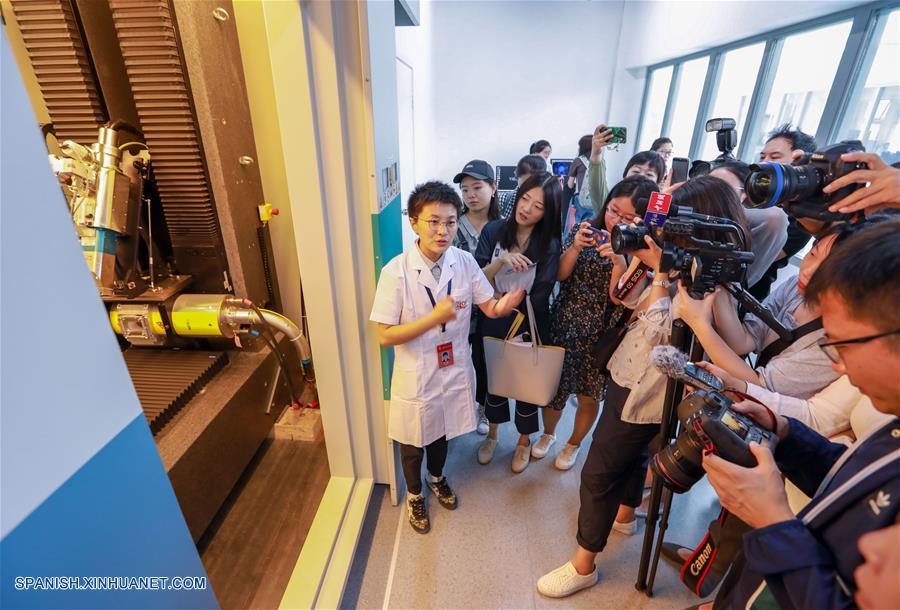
x: 808, y: 560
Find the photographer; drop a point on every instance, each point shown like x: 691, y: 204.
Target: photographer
x: 798, y: 368
x: 616, y: 463
x: 780, y: 147
x: 810, y: 561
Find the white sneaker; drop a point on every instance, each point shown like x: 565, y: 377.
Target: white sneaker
x: 566, y: 458
x: 564, y: 581
x: 521, y: 458
x: 629, y: 529
x: 483, y: 424
x: 540, y: 448
x: 486, y: 450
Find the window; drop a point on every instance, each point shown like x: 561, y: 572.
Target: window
x: 686, y: 101
x: 735, y: 88
x: 873, y: 114
x: 655, y: 106
x: 814, y: 75
x: 803, y: 79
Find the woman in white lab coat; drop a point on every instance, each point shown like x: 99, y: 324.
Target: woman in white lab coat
x: 423, y: 307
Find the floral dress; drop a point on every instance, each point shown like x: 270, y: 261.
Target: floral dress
x: 580, y: 314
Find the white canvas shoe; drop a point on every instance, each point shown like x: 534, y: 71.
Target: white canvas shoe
x: 564, y: 581
x: 566, y: 458
x: 521, y: 458
x: 540, y: 448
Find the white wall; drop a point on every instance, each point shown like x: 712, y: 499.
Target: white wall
x: 490, y: 77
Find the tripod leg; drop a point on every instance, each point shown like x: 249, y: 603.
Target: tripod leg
x: 682, y: 338
x: 649, y: 534
x: 663, y: 526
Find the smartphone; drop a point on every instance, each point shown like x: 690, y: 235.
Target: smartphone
x: 701, y: 378
x: 600, y: 237
x: 619, y: 135
x: 680, y: 168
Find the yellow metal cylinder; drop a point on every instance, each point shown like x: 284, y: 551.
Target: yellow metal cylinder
x: 199, y: 315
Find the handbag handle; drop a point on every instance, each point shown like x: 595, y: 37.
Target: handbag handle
x: 535, y: 337
x: 520, y: 317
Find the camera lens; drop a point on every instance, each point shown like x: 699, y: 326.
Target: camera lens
x: 626, y: 238
x: 679, y: 464
x: 772, y: 184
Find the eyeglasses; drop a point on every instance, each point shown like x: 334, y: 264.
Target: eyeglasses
x: 434, y: 224
x: 616, y: 214
x: 831, y: 347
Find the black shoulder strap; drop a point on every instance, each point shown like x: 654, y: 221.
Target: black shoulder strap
x: 779, y: 345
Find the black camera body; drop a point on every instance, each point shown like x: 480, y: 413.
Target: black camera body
x: 702, y: 263
x: 709, y: 425
x: 798, y: 188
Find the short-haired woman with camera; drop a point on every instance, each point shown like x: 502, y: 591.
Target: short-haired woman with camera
x: 616, y: 463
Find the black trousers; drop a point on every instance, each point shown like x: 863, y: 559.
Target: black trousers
x: 496, y: 408
x: 411, y: 459
x: 477, y: 342
x: 614, y: 469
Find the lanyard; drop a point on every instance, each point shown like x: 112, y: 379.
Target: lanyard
x: 434, y: 303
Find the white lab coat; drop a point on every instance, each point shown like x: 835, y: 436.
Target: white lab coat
x: 428, y: 402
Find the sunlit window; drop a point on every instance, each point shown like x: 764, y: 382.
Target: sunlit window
x: 656, y: 106
x: 687, y: 98
x: 873, y: 115
x: 737, y: 77
x: 803, y: 78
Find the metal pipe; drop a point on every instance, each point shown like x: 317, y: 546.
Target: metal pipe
x: 292, y: 332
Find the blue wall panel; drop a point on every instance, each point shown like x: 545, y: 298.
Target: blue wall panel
x: 117, y: 516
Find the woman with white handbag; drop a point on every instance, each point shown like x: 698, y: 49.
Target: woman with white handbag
x: 521, y: 252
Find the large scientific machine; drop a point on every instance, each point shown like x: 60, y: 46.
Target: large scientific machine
x: 145, y: 110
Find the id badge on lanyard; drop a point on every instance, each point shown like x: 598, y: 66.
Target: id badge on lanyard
x: 444, y: 351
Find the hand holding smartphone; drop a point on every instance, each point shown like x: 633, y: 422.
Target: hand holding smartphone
x: 600, y: 236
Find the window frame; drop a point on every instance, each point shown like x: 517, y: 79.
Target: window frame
x: 866, y: 26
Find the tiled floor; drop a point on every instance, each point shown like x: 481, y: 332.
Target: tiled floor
x: 508, y: 531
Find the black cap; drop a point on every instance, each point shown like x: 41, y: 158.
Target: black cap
x: 478, y: 169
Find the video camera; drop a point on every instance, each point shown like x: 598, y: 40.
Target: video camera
x: 798, y: 188
x: 726, y: 141
x: 701, y: 262
x: 709, y: 425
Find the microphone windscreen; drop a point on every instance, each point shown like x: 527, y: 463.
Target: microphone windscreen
x: 669, y: 360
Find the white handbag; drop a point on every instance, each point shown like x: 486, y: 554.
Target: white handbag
x: 527, y: 372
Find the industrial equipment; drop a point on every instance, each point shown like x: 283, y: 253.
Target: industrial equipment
x: 145, y: 108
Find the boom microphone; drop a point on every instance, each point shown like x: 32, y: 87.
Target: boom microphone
x: 672, y: 362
